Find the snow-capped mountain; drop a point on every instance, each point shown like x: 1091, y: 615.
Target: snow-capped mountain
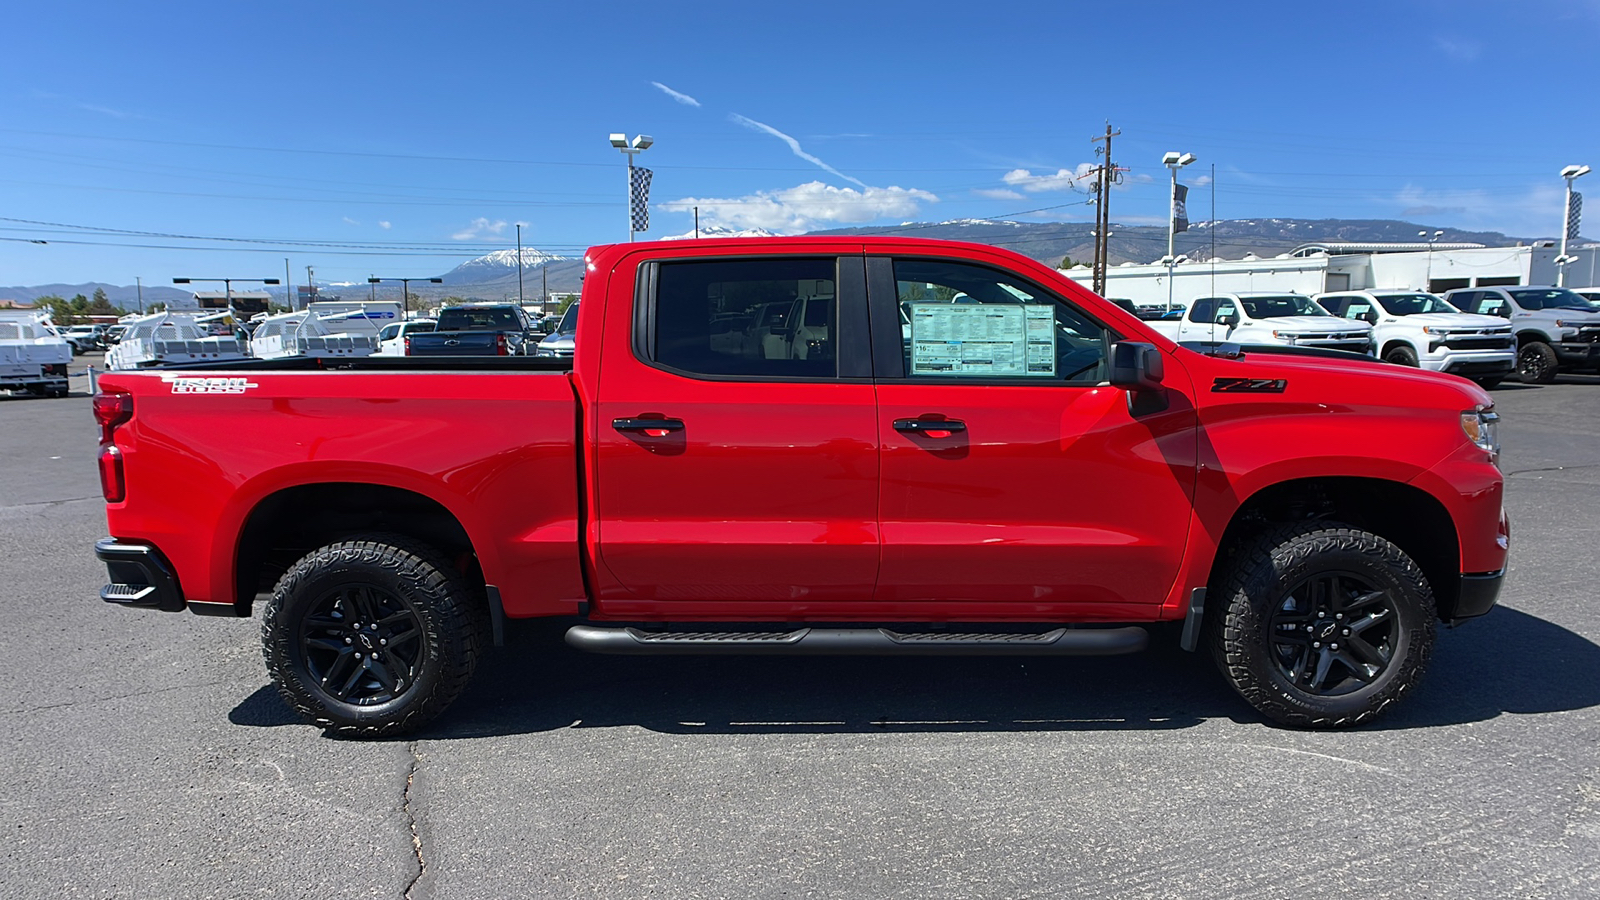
x: 498, y: 265
x: 721, y: 231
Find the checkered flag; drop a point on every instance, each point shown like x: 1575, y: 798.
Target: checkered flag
x: 1574, y: 216
x: 639, y: 197
x: 1180, y: 208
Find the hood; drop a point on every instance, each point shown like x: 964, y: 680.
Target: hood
x: 1315, y: 324
x: 1455, y: 320
x: 1582, y: 316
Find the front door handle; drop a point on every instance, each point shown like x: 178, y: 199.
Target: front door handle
x: 651, y: 427
x: 934, y: 428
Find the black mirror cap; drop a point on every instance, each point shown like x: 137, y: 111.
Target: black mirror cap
x: 1231, y: 320
x: 1136, y: 365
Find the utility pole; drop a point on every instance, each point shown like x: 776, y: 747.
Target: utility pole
x: 288, y: 286
x: 520, y: 300
x: 544, y: 289
x: 1106, y: 176
x: 139, y: 284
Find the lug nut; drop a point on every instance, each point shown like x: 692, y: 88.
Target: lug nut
x: 1316, y: 644
x: 1322, y: 615
x: 347, y: 640
x: 358, y: 656
x: 384, y: 642
x: 1338, y: 615
x: 1347, y: 631
x: 1333, y: 646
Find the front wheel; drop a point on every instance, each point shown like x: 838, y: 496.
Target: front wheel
x: 371, y: 637
x: 1322, y: 625
x: 1536, y: 363
x: 1401, y: 355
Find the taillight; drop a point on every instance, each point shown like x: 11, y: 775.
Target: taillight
x: 111, y: 410
x: 408, y: 345
x: 500, y: 344
x: 112, y: 484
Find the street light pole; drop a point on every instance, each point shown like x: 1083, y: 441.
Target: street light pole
x: 1173, y: 161
x: 227, y: 287
x: 630, y: 149
x: 1570, y: 173
x: 405, y: 291
x: 520, y: 300
x: 1427, y: 280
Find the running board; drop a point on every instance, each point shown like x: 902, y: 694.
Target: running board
x: 860, y: 642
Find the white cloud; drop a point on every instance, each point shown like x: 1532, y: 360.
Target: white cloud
x: 384, y: 225
x: 1533, y: 212
x: 1200, y: 181
x: 997, y: 193
x: 806, y: 207
x: 794, y: 145
x: 350, y: 221
x: 1062, y: 180
x: 1458, y: 48
x: 685, y: 99
x: 480, y: 227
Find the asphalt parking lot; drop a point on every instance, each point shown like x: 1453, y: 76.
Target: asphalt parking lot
x: 147, y: 755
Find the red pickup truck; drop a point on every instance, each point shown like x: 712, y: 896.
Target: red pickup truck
x: 808, y: 445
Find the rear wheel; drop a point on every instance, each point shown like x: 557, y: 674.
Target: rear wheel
x: 1536, y: 363
x: 1323, y: 625
x: 1401, y: 355
x: 372, y: 637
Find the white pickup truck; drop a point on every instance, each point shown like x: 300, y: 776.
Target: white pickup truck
x: 1416, y: 329
x: 1266, y: 318
x: 33, y: 355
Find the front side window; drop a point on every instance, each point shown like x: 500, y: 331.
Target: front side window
x: 1280, y: 307
x: 1551, y: 298
x: 965, y: 321
x: 1414, y: 304
x: 747, y: 317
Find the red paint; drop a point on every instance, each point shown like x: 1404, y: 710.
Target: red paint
x: 793, y: 500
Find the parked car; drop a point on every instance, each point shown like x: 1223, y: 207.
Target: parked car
x: 392, y: 339
x: 1557, y: 330
x: 1412, y: 328
x: 1265, y: 319
x: 1591, y: 294
x: 559, y: 342
x: 491, y: 329
x: 1032, y: 472
x: 83, y: 338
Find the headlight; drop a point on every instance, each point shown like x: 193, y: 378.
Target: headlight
x: 1482, y: 427
x: 1435, y: 330
x: 543, y: 351
x: 1567, y: 323
x: 1287, y: 335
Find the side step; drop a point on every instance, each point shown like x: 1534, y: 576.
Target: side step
x: 860, y: 642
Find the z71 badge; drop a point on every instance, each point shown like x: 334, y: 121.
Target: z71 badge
x: 1249, y: 385
x: 211, y: 385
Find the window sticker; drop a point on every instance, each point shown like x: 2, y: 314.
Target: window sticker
x: 991, y: 339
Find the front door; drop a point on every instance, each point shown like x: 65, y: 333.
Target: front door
x: 1016, y: 483
x: 736, y: 437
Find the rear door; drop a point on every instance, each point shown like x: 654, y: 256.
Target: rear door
x: 736, y: 438
x: 1016, y: 483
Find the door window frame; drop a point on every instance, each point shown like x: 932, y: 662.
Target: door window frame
x: 888, y: 346
x: 852, y: 356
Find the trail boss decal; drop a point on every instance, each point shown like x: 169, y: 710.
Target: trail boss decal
x: 1249, y: 385
x: 211, y: 385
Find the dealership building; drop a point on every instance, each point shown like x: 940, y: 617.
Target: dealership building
x: 1318, y: 267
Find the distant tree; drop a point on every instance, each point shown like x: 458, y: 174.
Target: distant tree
x: 101, y: 305
x: 1068, y: 262
x: 452, y: 300
x: 155, y: 307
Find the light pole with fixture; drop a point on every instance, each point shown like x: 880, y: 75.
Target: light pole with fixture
x: 639, y: 144
x: 405, y: 291
x: 1173, y: 161
x: 227, y: 289
x: 1570, y: 173
x: 1427, y: 280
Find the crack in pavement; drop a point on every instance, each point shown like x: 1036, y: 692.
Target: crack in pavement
x: 63, y: 705
x: 51, y: 502
x: 1552, y: 469
x: 411, y: 822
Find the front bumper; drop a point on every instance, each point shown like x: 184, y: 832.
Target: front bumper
x: 1578, y: 353
x: 140, y: 576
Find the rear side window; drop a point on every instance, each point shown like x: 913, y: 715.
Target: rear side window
x: 748, y: 317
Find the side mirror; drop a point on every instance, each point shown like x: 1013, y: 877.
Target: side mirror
x: 1229, y: 319
x: 1136, y: 366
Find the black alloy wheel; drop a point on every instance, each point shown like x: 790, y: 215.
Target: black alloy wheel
x: 1536, y: 363
x: 1333, y: 633
x: 362, y: 645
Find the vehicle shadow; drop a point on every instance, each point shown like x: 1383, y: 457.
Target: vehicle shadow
x: 1509, y: 662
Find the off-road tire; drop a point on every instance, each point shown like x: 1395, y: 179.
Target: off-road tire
x: 1253, y: 638
x: 1401, y: 355
x: 1537, y: 363
x: 409, y: 576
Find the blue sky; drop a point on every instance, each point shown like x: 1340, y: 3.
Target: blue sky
x: 400, y: 139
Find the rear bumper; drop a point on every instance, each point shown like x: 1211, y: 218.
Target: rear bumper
x: 1477, y: 595
x: 140, y: 576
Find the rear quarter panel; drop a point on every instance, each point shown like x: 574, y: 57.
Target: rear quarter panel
x: 496, y: 449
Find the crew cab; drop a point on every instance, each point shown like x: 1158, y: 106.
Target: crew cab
x: 498, y: 329
x: 392, y: 338
x: 1412, y: 328
x: 1557, y: 330
x: 1026, y: 469
x: 1264, y: 319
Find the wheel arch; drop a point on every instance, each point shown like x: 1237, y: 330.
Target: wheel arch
x: 1399, y: 342
x: 1406, y: 516
x: 288, y: 523
x: 1525, y: 338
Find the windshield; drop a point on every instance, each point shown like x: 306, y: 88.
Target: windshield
x: 1413, y: 304
x: 1278, y: 307
x: 486, y: 318
x: 1551, y: 298
x: 569, y: 320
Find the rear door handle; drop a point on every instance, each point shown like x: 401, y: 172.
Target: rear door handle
x: 651, y: 427
x: 934, y: 428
